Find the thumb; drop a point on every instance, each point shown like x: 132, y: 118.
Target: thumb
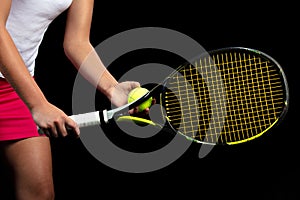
x: 134, y: 84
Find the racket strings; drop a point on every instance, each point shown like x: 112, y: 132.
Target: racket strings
x: 228, y: 97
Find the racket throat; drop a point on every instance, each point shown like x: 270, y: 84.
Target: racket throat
x: 107, y: 115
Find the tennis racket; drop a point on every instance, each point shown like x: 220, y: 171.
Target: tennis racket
x: 227, y: 96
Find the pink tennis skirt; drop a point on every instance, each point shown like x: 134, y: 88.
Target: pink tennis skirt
x: 16, y: 121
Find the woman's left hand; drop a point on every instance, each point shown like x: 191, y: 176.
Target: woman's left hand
x: 119, y: 97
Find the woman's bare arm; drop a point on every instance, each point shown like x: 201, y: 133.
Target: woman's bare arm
x: 16, y: 73
x: 79, y: 50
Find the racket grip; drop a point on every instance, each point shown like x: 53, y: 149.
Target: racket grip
x: 87, y: 119
x: 83, y: 120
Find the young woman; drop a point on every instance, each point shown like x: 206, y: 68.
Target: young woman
x: 23, y: 105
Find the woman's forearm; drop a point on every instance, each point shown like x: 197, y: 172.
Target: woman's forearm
x: 13, y: 68
x: 90, y: 66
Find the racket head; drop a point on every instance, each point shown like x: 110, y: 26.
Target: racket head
x: 228, y: 96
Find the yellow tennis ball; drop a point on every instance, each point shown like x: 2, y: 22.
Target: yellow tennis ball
x: 135, y: 94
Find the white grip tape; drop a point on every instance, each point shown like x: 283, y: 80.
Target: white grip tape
x: 87, y: 119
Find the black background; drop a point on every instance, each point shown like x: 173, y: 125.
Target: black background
x: 265, y: 168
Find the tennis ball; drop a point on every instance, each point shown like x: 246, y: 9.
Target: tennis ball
x: 135, y: 94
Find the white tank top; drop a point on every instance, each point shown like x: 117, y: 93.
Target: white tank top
x: 27, y: 23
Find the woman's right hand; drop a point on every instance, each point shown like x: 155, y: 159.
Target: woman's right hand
x: 53, y: 121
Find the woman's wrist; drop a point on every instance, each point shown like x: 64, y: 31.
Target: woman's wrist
x: 107, y: 84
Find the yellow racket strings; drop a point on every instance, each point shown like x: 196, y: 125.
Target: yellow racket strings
x: 226, y: 98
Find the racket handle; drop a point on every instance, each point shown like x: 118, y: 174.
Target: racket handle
x: 87, y: 119
x: 83, y: 120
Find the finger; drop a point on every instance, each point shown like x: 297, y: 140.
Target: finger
x: 133, y: 111
x: 45, y: 132
x: 53, y: 131
x: 134, y: 84
x: 146, y: 111
x: 130, y: 112
x: 153, y: 101
x: 61, y: 128
x: 72, y: 126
